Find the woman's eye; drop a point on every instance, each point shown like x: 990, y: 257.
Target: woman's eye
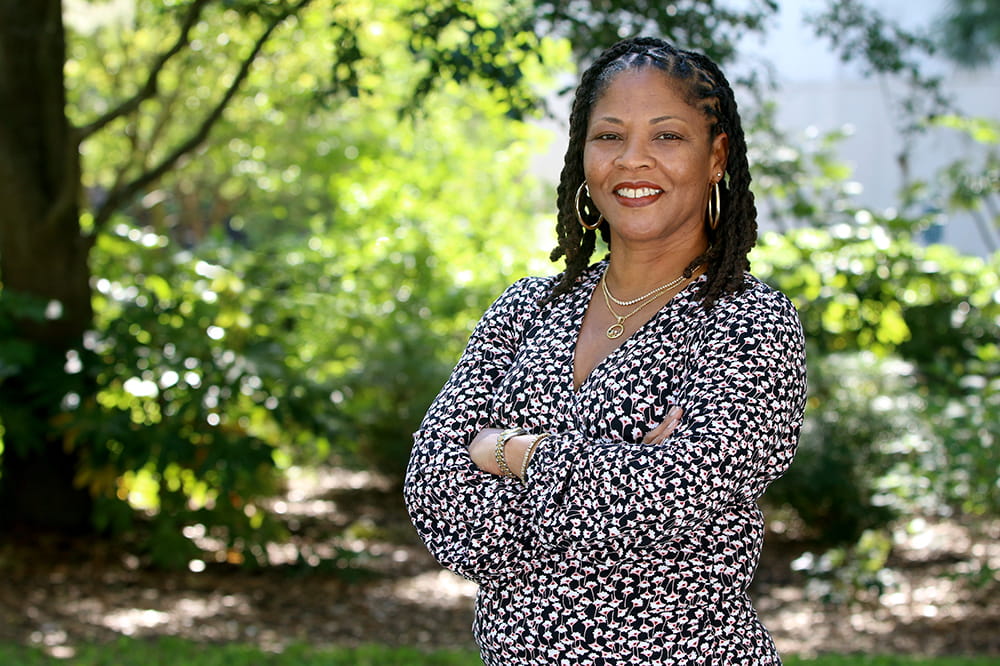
x: 668, y: 136
x: 607, y: 137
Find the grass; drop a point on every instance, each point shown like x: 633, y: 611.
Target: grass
x: 171, y: 651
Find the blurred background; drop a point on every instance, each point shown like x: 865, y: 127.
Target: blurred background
x: 242, y: 244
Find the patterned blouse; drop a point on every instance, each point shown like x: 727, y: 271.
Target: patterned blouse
x: 613, y: 551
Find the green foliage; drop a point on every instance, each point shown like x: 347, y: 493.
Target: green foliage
x: 903, y: 414
x: 970, y: 32
x: 20, y: 358
x: 195, y: 394
x: 970, y: 184
x: 299, y: 291
x: 17, y: 354
x: 713, y: 28
x: 861, y: 34
x: 859, y: 409
x: 899, y: 335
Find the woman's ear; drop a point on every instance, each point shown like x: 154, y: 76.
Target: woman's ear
x: 720, y: 153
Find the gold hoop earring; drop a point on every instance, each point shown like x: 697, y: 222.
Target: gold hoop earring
x: 714, y: 211
x: 579, y: 215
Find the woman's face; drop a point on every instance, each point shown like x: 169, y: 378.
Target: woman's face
x: 648, y: 159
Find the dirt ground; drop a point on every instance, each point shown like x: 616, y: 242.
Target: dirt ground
x: 60, y: 592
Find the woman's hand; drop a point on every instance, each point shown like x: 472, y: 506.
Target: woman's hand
x: 660, y: 433
x: 483, y: 449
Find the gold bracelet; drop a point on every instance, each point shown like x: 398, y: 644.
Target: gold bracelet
x: 501, y: 455
x: 528, y: 452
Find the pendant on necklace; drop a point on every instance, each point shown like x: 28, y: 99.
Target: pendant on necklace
x: 615, y: 330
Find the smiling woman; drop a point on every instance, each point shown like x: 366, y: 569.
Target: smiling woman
x: 595, y: 460
x: 650, y: 164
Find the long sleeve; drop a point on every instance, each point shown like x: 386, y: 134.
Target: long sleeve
x: 473, y: 522
x: 743, y: 398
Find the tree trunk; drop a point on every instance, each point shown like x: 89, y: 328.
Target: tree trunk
x: 42, y: 254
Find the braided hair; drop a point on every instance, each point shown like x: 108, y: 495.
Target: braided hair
x: 707, y: 89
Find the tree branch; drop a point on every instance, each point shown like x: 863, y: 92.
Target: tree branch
x: 119, y: 195
x: 991, y: 207
x: 151, y: 87
x: 985, y: 230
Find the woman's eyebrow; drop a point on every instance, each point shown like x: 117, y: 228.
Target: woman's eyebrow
x: 616, y: 121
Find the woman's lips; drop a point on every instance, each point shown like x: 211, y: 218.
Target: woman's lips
x: 635, y: 195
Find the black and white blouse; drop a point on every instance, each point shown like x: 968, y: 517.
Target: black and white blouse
x: 613, y: 551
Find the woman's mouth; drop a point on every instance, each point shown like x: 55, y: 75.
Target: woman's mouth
x: 638, y: 195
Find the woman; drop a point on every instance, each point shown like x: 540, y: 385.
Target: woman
x: 595, y: 460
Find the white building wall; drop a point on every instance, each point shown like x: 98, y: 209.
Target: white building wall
x: 817, y: 90
x: 873, y: 148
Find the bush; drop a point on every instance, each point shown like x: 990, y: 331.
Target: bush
x: 858, y: 423
x: 903, y: 405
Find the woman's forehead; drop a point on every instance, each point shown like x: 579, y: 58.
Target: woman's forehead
x: 644, y: 88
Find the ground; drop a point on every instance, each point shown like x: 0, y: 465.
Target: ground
x: 60, y: 592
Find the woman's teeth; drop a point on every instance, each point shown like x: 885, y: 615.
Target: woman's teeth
x: 636, y: 193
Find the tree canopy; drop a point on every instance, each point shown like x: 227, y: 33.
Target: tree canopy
x: 971, y: 33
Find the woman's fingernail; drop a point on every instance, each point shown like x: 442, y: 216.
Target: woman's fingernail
x: 673, y: 412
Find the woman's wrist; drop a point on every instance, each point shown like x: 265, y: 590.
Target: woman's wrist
x: 528, y: 444
x: 506, y: 453
x: 501, y: 450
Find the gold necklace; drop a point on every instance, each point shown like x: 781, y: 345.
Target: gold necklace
x: 616, y: 329
x: 664, y: 287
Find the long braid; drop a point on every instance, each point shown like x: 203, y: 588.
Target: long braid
x: 577, y: 244
x: 708, y: 88
x: 737, y: 231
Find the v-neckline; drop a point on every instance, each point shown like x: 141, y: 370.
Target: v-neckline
x: 580, y: 314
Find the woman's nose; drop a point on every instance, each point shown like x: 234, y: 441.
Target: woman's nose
x: 635, y: 154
